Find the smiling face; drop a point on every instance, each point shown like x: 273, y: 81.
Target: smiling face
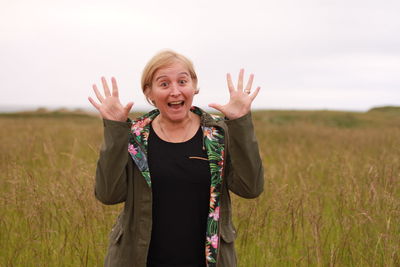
x: 172, y: 92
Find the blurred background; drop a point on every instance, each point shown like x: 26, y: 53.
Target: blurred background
x: 311, y: 54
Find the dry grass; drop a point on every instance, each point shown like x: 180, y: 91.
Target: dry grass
x: 332, y: 192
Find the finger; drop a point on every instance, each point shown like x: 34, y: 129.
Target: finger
x: 105, y: 87
x: 249, y: 84
x: 97, y: 106
x: 240, y: 81
x: 216, y: 106
x: 128, y: 107
x: 98, y: 95
x: 230, y: 84
x: 114, y: 87
x: 254, y: 95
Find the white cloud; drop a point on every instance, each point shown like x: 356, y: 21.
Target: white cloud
x: 321, y: 52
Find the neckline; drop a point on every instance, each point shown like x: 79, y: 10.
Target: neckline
x: 191, y: 139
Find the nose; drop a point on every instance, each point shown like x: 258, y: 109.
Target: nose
x: 175, y: 90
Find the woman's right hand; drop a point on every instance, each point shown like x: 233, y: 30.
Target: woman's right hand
x: 110, y: 107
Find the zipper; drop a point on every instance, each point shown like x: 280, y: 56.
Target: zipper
x: 222, y: 186
x: 203, y: 125
x: 151, y: 190
x: 202, y: 122
x: 151, y: 226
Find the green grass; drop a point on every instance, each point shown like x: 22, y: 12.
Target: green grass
x: 332, y: 191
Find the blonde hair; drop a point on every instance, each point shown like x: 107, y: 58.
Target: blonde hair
x: 161, y: 60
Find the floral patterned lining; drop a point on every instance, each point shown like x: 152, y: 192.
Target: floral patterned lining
x: 213, y: 139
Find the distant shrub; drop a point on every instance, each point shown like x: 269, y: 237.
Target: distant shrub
x: 388, y: 109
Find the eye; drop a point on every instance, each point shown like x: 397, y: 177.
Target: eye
x: 164, y: 84
x: 182, y: 81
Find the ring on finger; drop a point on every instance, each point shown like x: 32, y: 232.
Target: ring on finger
x: 247, y: 91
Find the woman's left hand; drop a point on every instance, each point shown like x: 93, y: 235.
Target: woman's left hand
x: 240, y: 99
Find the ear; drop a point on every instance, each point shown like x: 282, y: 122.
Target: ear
x: 147, y: 91
x: 148, y: 94
x: 196, y: 91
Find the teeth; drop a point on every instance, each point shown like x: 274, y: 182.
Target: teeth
x: 176, y: 102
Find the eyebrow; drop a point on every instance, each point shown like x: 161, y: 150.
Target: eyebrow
x: 162, y: 76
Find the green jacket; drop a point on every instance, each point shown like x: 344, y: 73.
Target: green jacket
x: 122, y: 175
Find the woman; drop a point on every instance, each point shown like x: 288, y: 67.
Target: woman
x: 173, y: 168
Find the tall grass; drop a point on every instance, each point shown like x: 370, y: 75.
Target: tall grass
x: 332, y: 192
x: 49, y: 216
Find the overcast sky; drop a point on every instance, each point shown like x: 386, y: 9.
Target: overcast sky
x: 305, y: 54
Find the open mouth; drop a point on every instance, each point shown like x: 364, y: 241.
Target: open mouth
x: 176, y: 104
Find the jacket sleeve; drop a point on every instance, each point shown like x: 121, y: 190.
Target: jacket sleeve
x: 111, y: 173
x: 244, y: 170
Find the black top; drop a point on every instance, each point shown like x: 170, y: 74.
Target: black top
x: 180, y: 177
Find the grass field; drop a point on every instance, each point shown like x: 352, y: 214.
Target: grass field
x: 332, y: 191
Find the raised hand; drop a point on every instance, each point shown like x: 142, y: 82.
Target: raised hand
x: 110, y: 107
x: 240, y: 99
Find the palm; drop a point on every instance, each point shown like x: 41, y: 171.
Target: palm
x: 240, y: 100
x: 110, y: 107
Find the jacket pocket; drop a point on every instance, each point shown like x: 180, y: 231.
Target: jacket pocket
x: 228, y: 233
x: 116, y: 232
x: 227, y: 246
